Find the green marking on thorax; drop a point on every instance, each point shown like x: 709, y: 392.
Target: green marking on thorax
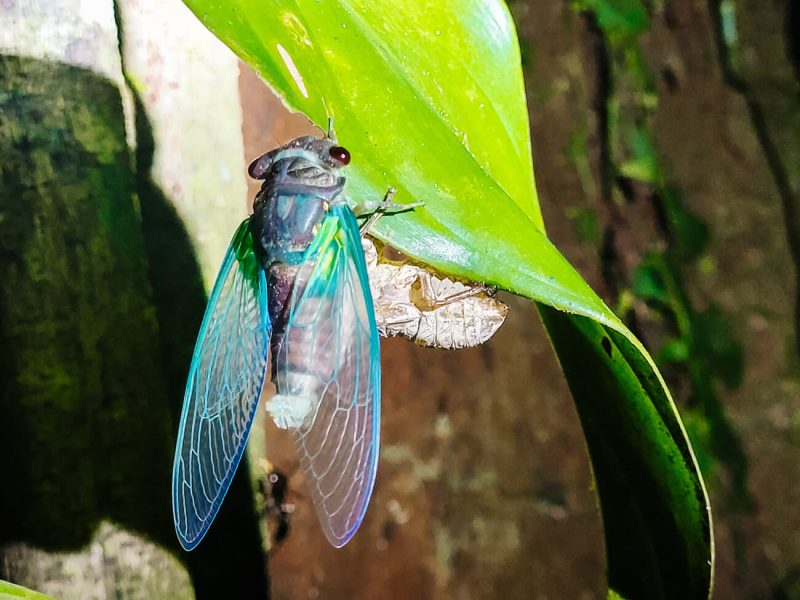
x: 329, y: 230
x: 245, y: 252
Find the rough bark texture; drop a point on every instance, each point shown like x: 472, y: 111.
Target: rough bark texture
x: 83, y: 403
x: 74, y: 312
x: 116, y: 564
x: 100, y: 301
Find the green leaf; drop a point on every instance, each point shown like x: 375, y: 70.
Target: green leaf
x: 653, y: 508
x: 405, y: 105
x: 429, y: 98
x: 648, y: 281
x: 674, y: 350
x: 643, y: 166
x: 618, y: 18
x: 9, y: 591
x: 716, y: 339
x: 690, y: 233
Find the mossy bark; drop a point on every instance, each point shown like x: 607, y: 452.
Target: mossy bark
x: 91, y: 357
x: 84, y: 404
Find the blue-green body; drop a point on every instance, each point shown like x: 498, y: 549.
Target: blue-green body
x: 294, y: 280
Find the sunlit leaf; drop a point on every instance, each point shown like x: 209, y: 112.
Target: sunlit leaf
x: 10, y: 591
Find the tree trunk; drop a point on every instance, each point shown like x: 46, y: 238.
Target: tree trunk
x: 100, y: 300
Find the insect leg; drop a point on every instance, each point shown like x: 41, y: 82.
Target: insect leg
x: 378, y: 212
x: 428, y: 300
x: 385, y: 206
x: 399, y: 321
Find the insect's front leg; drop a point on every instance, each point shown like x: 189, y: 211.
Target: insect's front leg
x: 376, y: 209
x: 428, y: 298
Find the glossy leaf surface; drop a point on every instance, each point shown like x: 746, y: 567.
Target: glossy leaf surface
x: 10, y: 591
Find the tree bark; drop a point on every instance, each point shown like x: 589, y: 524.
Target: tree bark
x: 100, y: 300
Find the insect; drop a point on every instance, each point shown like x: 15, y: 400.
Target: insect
x: 293, y: 282
x: 432, y: 311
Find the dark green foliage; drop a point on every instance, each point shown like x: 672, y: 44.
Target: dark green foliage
x: 716, y: 340
x: 689, y: 234
x: 619, y: 18
x: 651, y: 502
x: 585, y: 223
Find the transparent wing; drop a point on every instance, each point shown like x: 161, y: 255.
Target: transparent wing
x: 329, y: 363
x: 222, y: 391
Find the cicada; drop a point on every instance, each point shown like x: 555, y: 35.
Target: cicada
x: 293, y: 282
x: 427, y: 309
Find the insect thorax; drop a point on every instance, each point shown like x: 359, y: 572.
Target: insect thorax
x: 286, y: 217
x: 301, y: 180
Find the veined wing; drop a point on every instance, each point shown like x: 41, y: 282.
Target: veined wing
x: 329, y: 366
x: 222, y: 392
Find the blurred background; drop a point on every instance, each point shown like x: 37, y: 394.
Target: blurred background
x: 666, y: 139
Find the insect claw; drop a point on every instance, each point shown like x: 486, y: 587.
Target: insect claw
x: 387, y: 205
x: 411, y: 205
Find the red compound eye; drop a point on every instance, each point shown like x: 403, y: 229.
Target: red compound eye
x: 340, y: 154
